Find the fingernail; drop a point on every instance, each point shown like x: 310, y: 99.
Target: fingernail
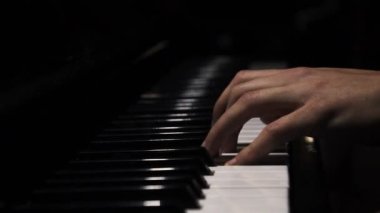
x: 231, y: 162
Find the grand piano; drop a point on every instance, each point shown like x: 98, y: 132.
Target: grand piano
x: 104, y: 106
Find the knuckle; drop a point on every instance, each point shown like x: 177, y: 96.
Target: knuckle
x: 249, y: 98
x: 319, y: 105
x: 301, y: 71
x: 240, y: 76
x: 235, y: 92
x: 317, y: 83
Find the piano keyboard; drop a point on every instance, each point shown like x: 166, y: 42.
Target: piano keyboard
x: 149, y: 158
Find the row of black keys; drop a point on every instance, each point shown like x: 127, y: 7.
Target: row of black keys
x: 127, y: 168
x: 148, y: 160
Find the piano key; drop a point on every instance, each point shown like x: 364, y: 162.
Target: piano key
x: 145, y: 144
x: 250, y: 131
x: 147, y: 105
x: 141, y: 163
x: 181, y: 193
x: 248, y: 176
x: 148, y: 206
x: 187, y: 170
x: 167, y: 134
x: 155, y: 98
x: 272, y: 158
x: 127, y: 181
x: 162, y: 123
x: 141, y: 130
x: 150, y: 115
x: 173, y: 102
x: 165, y: 109
x: 197, y: 152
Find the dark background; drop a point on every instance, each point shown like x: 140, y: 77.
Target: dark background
x: 70, y: 66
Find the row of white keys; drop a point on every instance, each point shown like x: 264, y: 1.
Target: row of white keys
x: 241, y: 189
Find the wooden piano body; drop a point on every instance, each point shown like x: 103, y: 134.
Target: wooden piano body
x: 73, y: 67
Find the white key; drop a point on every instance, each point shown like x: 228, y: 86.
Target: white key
x: 250, y: 131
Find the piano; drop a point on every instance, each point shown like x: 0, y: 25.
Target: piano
x: 78, y: 135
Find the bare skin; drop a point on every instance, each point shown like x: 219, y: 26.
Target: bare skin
x: 294, y: 103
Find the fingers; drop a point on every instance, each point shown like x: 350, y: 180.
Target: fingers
x: 294, y: 125
x: 225, y: 127
x: 223, y: 134
x: 241, y: 77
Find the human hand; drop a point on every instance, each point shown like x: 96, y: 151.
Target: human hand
x: 294, y: 103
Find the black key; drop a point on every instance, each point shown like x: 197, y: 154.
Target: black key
x: 120, y: 206
x: 149, y: 130
x: 187, y: 170
x: 156, y: 135
x: 162, y: 122
x: 171, y: 104
x: 147, y: 163
x: 181, y: 193
x: 163, y: 109
x: 127, y: 181
x: 169, y: 143
x: 173, y: 101
x: 197, y: 152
